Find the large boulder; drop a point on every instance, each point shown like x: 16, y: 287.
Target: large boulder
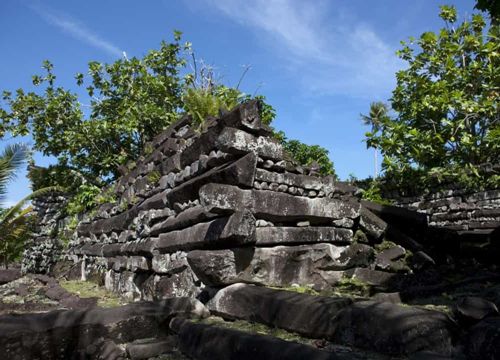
x: 483, y: 340
x: 8, y: 275
x: 312, y: 316
x: 208, y: 342
x: 278, y: 266
x: 394, y: 329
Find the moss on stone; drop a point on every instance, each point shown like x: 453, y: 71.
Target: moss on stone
x: 352, y: 287
x: 256, y: 328
x: 384, y: 245
x: 360, y: 237
x: 87, y: 289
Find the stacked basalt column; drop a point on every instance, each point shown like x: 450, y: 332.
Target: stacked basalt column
x: 219, y: 204
x: 45, y: 246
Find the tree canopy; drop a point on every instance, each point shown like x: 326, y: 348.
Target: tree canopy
x: 130, y: 101
x: 445, y: 101
x: 127, y: 103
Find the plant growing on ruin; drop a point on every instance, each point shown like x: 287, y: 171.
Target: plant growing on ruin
x: 446, y: 103
x: 128, y: 102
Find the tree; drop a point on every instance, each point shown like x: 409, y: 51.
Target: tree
x: 307, y: 154
x: 375, y: 118
x: 15, y: 221
x: 490, y: 6
x: 131, y: 100
x: 446, y: 101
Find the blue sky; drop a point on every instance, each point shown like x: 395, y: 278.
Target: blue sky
x: 319, y: 63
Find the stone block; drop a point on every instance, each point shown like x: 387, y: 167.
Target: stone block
x: 208, y: 342
x: 311, y: 316
x: 240, y: 172
x: 237, y: 229
x: 279, y: 266
x: 284, y: 235
x: 275, y: 206
x: 394, y: 329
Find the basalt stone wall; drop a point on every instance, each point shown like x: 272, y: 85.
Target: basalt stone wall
x: 459, y: 210
x: 221, y: 204
x: 45, y: 247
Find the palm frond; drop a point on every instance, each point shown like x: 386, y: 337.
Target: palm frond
x: 11, y: 159
x: 17, y: 208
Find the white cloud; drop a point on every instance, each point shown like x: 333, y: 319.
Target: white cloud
x: 328, y: 51
x: 76, y: 29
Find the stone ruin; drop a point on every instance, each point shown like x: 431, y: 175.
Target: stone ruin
x: 214, y: 220
x: 224, y: 204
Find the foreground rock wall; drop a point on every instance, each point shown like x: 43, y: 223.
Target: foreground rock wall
x: 211, y: 206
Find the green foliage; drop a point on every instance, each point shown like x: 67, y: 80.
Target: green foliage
x: 131, y: 100
x: 446, y: 103
x: 11, y: 159
x: 88, y: 289
x: 16, y: 221
x: 490, y: 6
x: 127, y: 103
x: 153, y: 177
x: 373, y: 193
x: 16, y: 229
x: 267, y: 112
x: 307, y: 154
x: 202, y: 103
x: 353, y: 287
x: 88, y: 197
x: 84, y: 200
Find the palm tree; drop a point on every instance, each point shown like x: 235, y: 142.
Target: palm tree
x: 15, y: 221
x: 378, y: 113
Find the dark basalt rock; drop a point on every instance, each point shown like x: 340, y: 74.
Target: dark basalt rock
x: 240, y: 172
x: 471, y: 309
x: 145, y: 349
x: 8, y: 275
x: 394, y: 329
x: 61, y: 334
x: 311, y: 316
x: 483, y: 340
x: 371, y: 224
x: 207, y: 342
x: 307, y: 265
x: 281, y: 235
x: 276, y: 206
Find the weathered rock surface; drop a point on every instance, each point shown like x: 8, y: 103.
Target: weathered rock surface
x: 302, y: 235
x: 312, y: 316
x: 394, y: 329
x: 207, y: 342
x: 473, y: 309
x: 276, y: 206
x: 8, y: 275
x: 483, y: 340
x: 65, y: 334
x: 148, y: 348
x: 278, y: 266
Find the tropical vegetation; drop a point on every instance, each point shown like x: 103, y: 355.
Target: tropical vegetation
x: 445, y: 125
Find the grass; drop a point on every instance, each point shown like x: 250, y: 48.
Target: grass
x: 346, y: 287
x: 256, y: 328
x: 87, y: 289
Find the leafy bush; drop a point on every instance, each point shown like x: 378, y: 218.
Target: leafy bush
x: 307, y: 154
